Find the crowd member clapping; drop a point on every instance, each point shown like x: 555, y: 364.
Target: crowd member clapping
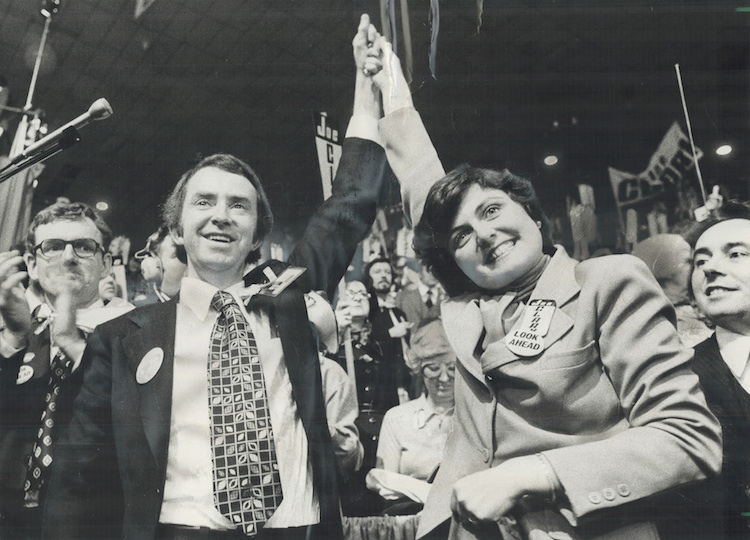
x: 41, y: 349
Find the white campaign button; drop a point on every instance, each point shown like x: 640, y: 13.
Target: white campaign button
x: 528, y: 340
x: 150, y: 365
x: 28, y: 357
x: 24, y: 374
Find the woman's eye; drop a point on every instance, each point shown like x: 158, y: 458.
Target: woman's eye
x: 460, y: 239
x: 492, y: 210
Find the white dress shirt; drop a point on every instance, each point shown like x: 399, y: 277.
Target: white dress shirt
x: 188, y: 490
x: 735, y: 350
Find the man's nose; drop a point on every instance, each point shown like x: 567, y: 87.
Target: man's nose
x: 220, y: 213
x: 69, y: 253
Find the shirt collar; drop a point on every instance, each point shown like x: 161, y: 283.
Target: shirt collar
x: 734, y: 349
x: 197, y: 295
x: 424, y: 411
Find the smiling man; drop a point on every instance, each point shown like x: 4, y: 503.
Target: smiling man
x: 720, y: 285
x: 66, y: 257
x: 209, y: 407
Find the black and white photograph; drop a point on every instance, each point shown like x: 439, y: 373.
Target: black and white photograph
x: 374, y: 270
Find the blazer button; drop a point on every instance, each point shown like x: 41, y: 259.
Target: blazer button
x: 623, y: 489
x: 595, y: 498
x: 609, y: 494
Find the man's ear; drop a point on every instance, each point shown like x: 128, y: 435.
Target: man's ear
x: 30, y: 260
x: 177, y: 237
x: 107, y: 265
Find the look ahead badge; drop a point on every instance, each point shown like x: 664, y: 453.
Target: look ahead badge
x: 528, y: 340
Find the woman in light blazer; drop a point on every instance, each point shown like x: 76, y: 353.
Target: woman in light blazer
x: 573, y: 390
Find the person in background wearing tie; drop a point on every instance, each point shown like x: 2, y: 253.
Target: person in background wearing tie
x: 209, y: 407
x: 41, y: 349
x: 720, y: 285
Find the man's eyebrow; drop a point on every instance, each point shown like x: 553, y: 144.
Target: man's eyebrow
x: 731, y: 245
x: 203, y: 195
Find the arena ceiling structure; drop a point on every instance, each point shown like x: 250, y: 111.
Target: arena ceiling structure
x: 512, y: 81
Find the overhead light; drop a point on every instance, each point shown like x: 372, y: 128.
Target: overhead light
x: 102, y: 206
x: 550, y: 160
x: 724, y: 150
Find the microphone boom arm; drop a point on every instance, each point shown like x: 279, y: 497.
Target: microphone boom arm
x: 68, y: 138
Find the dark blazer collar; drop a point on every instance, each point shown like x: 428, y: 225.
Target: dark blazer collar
x: 155, y: 330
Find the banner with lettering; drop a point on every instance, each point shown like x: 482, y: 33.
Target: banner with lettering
x: 669, y: 165
x: 329, y: 149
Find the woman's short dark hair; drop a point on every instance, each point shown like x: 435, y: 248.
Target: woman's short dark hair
x: 172, y: 211
x: 432, y: 233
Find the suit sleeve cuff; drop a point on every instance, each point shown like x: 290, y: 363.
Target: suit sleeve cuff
x: 365, y: 127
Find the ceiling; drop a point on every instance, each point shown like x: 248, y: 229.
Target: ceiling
x: 593, y: 81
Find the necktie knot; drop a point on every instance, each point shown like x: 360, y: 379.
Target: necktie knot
x: 222, y: 300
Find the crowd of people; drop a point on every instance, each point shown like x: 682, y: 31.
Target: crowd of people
x: 493, y: 387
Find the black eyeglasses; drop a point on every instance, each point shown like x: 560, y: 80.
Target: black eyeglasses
x: 54, y: 247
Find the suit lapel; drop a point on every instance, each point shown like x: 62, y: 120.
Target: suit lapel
x: 464, y: 326
x: 155, y: 329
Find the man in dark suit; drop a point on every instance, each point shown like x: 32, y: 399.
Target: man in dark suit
x: 65, y: 257
x: 143, y: 410
x: 720, y: 285
x: 389, y: 325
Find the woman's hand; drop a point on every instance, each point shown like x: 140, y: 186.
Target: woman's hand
x: 385, y: 68
x: 487, y: 496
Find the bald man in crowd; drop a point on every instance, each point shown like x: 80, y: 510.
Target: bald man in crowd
x: 668, y: 258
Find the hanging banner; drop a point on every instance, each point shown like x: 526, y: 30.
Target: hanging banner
x: 141, y: 6
x: 671, y: 162
x: 329, y: 149
x: 17, y: 192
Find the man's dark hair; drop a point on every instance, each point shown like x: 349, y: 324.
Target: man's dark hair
x: 172, y: 211
x: 367, y: 278
x: 432, y: 233
x: 70, y: 212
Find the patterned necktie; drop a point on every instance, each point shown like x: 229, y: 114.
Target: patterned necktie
x: 41, y: 454
x: 247, y: 485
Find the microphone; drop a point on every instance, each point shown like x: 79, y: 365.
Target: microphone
x: 99, y: 110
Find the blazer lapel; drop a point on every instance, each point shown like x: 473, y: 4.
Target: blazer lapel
x: 463, y: 325
x: 155, y: 330
x: 463, y: 321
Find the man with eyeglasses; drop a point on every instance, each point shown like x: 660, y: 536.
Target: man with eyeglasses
x: 41, y: 347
